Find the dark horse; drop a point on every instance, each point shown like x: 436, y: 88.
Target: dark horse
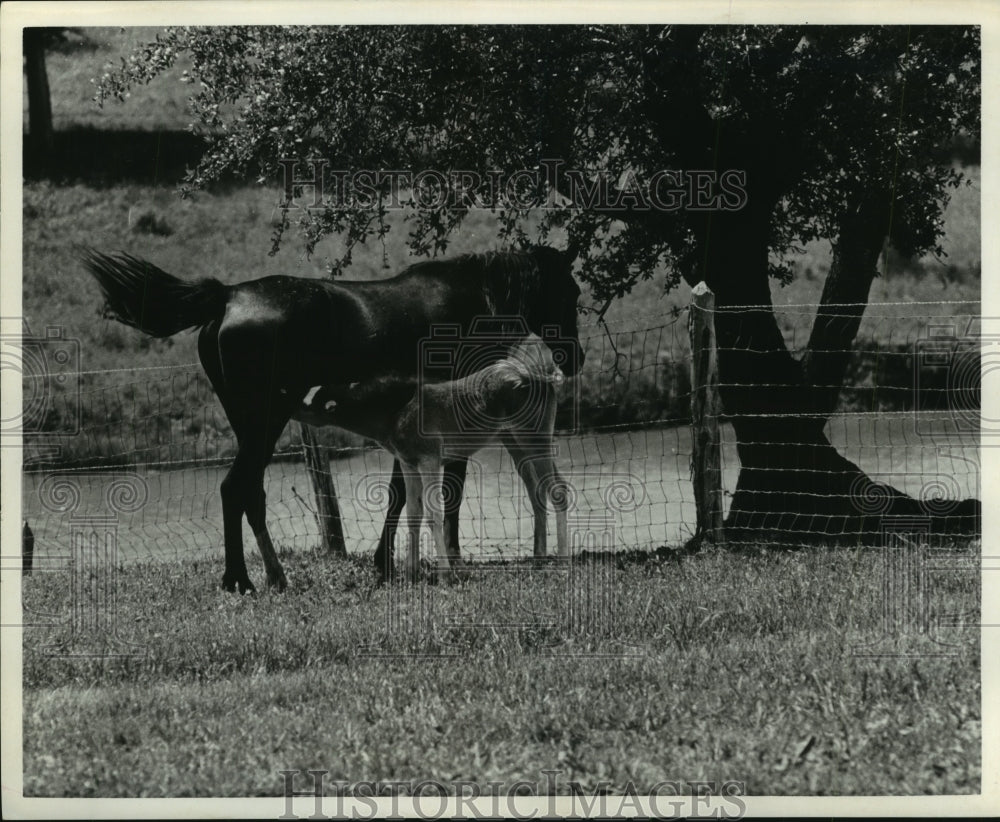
x: 265, y: 343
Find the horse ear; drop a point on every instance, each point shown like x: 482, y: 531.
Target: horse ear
x: 549, y: 259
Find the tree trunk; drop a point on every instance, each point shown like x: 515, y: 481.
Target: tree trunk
x: 793, y: 484
x: 843, y: 303
x: 39, y: 102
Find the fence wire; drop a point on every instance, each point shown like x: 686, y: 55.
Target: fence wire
x: 907, y: 414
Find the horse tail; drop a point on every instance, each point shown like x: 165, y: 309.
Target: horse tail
x: 139, y: 294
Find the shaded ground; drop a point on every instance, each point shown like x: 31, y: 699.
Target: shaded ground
x: 105, y: 158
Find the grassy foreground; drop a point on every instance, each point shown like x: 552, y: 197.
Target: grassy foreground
x: 722, y: 666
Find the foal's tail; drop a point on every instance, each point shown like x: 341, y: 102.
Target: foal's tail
x: 139, y: 294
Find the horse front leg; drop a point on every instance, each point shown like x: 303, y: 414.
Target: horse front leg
x: 453, y: 489
x: 397, y: 500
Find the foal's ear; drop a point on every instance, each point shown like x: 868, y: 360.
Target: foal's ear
x: 513, y: 377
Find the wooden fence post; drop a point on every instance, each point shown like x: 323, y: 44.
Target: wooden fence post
x: 331, y: 528
x: 706, y: 454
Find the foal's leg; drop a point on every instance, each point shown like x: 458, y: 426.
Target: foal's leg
x: 430, y: 470
x: 454, y: 478
x: 551, y: 483
x: 397, y: 501
x: 525, y: 462
x: 414, y: 518
x: 552, y: 486
x: 559, y: 494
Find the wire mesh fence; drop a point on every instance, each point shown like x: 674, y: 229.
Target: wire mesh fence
x: 907, y: 415
x: 898, y: 436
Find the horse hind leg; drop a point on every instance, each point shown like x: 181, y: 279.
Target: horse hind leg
x: 258, y: 415
x: 243, y: 492
x: 237, y: 484
x: 233, y: 484
x: 265, y: 436
x: 233, y: 505
x: 256, y: 517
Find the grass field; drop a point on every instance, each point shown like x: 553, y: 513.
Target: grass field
x: 747, y: 666
x: 743, y: 667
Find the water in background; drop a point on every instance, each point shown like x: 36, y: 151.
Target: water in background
x: 632, y: 484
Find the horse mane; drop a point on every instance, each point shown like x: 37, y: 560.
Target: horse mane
x: 511, y: 280
x: 512, y: 283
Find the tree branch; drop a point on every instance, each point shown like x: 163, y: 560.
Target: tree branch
x: 843, y: 302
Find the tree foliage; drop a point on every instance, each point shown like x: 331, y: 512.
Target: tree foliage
x: 820, y: 119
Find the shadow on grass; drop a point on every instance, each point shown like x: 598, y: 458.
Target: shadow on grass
x: 105, y: 158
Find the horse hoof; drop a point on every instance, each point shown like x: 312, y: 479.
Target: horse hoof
x: 278, y: 584
x: 233, y: 584
x: 385, y: 574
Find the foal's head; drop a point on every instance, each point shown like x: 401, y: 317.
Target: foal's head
x: 518, y: 391
x: 531, y: 360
